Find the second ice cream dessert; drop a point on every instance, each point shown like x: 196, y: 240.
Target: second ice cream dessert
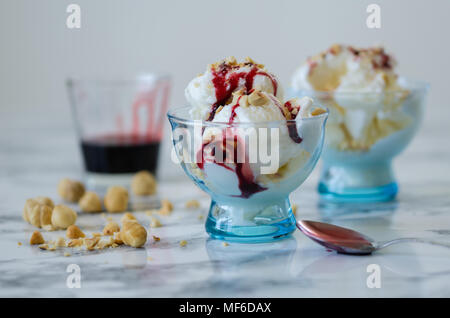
x: 362, y: 90
x: 236, y: 99
x: 374, y: 114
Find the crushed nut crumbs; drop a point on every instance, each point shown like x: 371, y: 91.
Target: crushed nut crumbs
x: 192, y: 204
x: 155, y: 222
x: 166, y: 207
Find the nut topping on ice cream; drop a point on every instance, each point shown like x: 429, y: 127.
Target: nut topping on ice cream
x: 214, y: 88
x: 363, y: 93
x: 345, y: 68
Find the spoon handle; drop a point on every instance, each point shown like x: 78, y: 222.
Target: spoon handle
x: 410, y: 240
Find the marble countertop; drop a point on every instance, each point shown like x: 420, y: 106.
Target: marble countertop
x: 36, y: 152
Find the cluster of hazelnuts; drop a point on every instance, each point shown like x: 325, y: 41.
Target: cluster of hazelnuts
x: 43, y: 213
x: 116, y: 198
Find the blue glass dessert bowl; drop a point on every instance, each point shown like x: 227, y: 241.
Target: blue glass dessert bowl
x: 249, y: 169
x: 374, y: 114
x: 246, y: 147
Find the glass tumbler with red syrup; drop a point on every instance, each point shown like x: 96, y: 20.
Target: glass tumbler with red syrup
x: 119, y: 125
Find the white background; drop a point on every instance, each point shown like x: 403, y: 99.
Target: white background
x: 122, y: 38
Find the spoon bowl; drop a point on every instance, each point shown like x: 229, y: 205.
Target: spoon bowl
x: 337, y: 238
x: 347, y: 241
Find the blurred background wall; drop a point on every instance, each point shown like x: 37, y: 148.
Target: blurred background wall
x: 121, y: 38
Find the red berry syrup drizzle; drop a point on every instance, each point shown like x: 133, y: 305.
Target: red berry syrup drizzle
x: 292, y: 126
x: 230, y: 154
x: 233, y: 111
x: 229, y: 148
x: 247, y: 185
x: 225, y: 82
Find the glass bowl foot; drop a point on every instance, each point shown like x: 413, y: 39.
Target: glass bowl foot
x: 247, y: 223
x: 357, y: 183
x: 358, y: 195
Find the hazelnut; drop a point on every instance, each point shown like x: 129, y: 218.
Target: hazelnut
x: 128, y: 217
x: 335, y: 49
x: 29, y: 205
x: 63, y: 217
x: 34, y: 215
x: 155, y: 222
x: 116, y: 199
x: 75, y: 243
x: 111, y: 228
x: 45, y: 201
x: 90, y: 202
x: 40, y: 213
x: 60, y: 242
x: 91, y: 242
x: 46, y: 217
x: 36, y: 238
x: 143, y: 183
x: 219, y: 109
x: 230, y: 60
x: 257, y: 99
x: 70, y: 190
x: 243, y: 101
x: 166, y: 207
x: 74, y: 232
x: 318, y: 111
x: 104, y: 244
x: 133, y: 234
x: 117, y: 239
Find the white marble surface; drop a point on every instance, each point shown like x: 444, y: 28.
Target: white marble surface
x: 35, y: 152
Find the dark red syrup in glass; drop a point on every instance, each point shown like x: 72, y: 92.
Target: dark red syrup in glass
x: 120, y: 153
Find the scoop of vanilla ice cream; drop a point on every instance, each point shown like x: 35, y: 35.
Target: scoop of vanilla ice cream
x: 321, y: 72
x: 357, y: 81
x: 200, y: 94
x: 224, y: 78
x: 261, y: 107
x: 344, y: 68
x: 254, y: 108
